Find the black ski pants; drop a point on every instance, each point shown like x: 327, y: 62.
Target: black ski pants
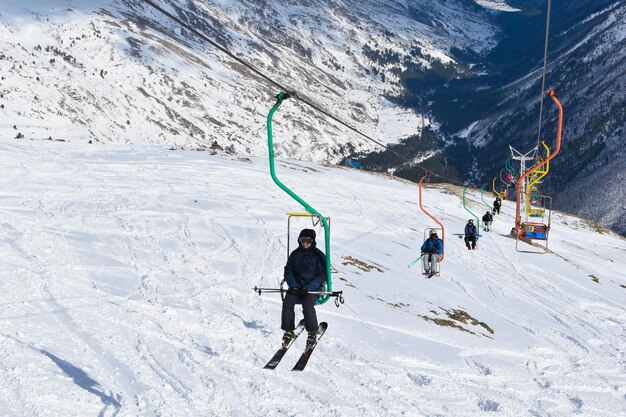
x: 308, y: 309
x: 472, y: 240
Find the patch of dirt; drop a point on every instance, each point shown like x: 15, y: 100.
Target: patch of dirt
x: 365, y: 267
x: 447, y: 188
x: 399, y: 305
x: 454, y: 318
x: 594, y: 278
x: 596, y: 227
x: 446, y: 323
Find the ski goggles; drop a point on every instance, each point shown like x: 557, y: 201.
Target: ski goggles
x: 303, y: 240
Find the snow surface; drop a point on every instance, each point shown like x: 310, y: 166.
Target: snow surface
x: 500, y: 5
x: 126, y: 291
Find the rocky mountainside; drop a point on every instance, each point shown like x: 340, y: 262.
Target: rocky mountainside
x: 482, y: 114
x: 587, y: 68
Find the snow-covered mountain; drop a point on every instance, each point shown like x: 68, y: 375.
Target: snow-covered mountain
x: 469, y: 71
x: 588, y: 69
x: 126, y: 290
x: 121, y: 72
x: 482, y: 111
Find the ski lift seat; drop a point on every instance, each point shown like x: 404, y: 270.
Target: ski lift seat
x: 538, y: 231
x: 315, y: 220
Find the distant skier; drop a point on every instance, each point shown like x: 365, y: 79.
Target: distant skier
x: 496, y: 205
x: 470, y: 235
x: 432, y: 248
x: 305, y: 271
x: 487, y: 220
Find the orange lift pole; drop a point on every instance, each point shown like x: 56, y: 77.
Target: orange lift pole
x: 518, y: 224
x: 432, y: 217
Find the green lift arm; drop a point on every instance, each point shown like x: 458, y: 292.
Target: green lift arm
x: 270, y: 143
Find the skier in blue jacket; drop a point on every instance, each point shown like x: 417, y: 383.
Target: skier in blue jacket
x: 431, y: 249
x: 305, y: 271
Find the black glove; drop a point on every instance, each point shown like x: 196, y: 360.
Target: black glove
x: 298, y: 292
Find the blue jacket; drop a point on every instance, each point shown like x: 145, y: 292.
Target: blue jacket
x: 470, y: 229
x: 432, y: 246
x: 306, y: 268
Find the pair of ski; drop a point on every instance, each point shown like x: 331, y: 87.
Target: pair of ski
x: 304, y: 358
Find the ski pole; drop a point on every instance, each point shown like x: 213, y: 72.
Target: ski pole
x: 415, y: 261
x: 337, y: 294
x: 331, y: 293
x: 259, y: 290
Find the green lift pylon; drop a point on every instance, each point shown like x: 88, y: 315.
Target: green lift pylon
x: 328, y: 291
x: 470, y: 212
x: 482, y: 197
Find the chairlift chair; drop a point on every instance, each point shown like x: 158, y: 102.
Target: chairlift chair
x: 426, y: 236
x: 427, y: 230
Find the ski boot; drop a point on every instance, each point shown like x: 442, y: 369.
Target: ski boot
x: 287, y: 338
x: 311, y: 340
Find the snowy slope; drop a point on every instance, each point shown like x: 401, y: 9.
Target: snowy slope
x: 126, y: 291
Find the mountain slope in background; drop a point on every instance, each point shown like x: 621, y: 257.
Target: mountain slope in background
x: 482, y: 113
x: 121, y: 72
x: 128, y: 292
x: 455, y: 81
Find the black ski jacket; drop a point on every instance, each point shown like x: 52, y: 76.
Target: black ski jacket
x: 306, y: 268
x: 470, y: 229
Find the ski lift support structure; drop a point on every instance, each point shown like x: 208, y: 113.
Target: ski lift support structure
x: 472, y: 213
x: 432, y: 217
x: 493, y: 187
x: 328, y: 290
x: 529, y: 156
x: 482, y: 197
x: 531, y: 209
x: 535, y: 230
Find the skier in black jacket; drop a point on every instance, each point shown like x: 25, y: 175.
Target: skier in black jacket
x: 496, y: 205
x: 305, y: 271
x: 487, y: 219
x: 470, y: 234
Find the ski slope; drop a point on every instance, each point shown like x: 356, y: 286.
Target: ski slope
x: 127, y: 277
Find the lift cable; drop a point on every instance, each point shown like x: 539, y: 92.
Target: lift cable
x: 545, y: 65
x: 293, y: 93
